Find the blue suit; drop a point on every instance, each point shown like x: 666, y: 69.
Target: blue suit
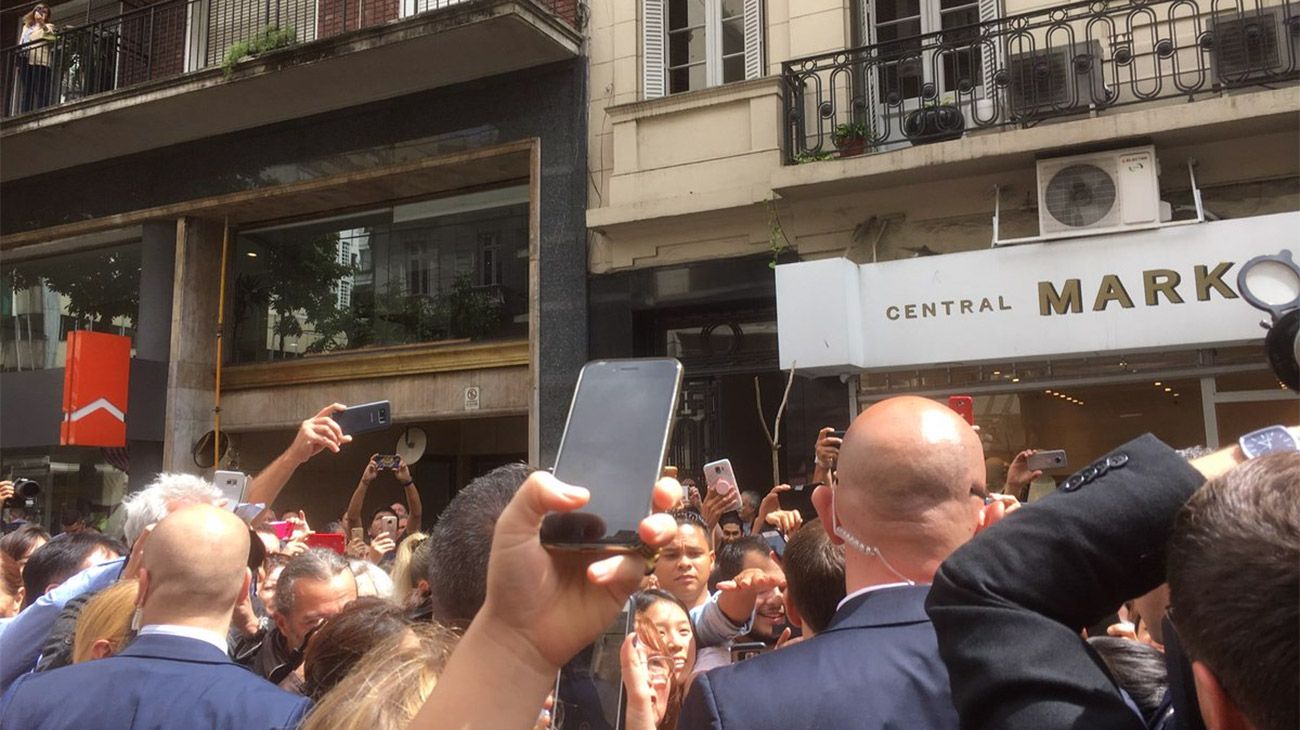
x: 875, y: 666
x: 157, y: 682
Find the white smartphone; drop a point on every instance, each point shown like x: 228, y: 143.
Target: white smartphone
x: 719, y: 471
x: 232, y: 485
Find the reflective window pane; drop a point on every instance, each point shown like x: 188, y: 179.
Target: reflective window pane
x: 733, y: 36
x: 732, y: 8
x: 685, y: 14
x: 389, y: 277
x: 733, y: 69
x: 686, y: 46
x: 687, y: 78
x: 41, y: 301
x: 887, y: 10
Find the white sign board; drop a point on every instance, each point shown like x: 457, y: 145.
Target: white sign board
x: 472, y: 398
x: 1163, y: 288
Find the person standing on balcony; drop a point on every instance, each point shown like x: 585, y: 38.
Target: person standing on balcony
x: 38, y: 31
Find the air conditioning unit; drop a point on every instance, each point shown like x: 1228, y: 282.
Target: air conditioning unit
x: 1053, y: 81
x: 1102, y: 192
x: 1248, y: 46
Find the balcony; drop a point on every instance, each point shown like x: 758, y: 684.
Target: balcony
x: 1069, y: 62
x: 179, y: 70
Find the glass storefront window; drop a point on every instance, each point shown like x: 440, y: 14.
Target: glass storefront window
x: 440, y: 270
x: 44, y: 299
x: 91, y: 481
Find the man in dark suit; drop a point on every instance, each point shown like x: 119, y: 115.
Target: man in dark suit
x: 1008, y: 607
x: 909, y: 490
x: 176, y: 673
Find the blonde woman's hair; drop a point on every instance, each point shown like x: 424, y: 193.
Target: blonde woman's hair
x: 407, y: 571
x: 106, y: 616
x: 388, y: 685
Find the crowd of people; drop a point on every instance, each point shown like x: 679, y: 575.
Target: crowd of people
x: 1152, y: 590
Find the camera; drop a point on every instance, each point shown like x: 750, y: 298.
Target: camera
x: 25, y: 493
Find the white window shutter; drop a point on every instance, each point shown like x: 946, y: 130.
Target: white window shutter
x: 992, y: 54
x: 754, y: 67
x: 654, y: 59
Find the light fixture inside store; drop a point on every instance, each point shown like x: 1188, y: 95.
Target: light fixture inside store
x: 1048, y: 392
x: 1158, y: 383
x: 1169, y: 390
x: 251, y: 254
x: 1015, y: 380
x: 997, y: 372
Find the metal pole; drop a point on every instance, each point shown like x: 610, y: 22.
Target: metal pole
x: 221, y: 324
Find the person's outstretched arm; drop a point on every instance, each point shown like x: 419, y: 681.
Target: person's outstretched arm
x: 414, y: 508
x: 542, y: 607
x: 314, y: 435
x: 352, y: 518
x: 1008, y: 607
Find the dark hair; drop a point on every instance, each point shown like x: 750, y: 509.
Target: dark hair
x: 70, y: 516
x: 731, y: 555
x: 1138, y: 668
x: 315, y: 564
x: 731, y: 518
x: 380, y: 511
x: 345, y: 638
x: 814, y: 574
x: 642, y: 600
x: 61, y: 558
x: 459, y: 544
x: 10, y: 574
x: 688, y: 516
x: 19, y: 542
x: 1234, y: 591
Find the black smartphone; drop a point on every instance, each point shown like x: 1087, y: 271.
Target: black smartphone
x: 614, y: 444
x: 776, y: 541
x: 839, y: 434
x: 799, y: 498
x: 387, y: 461
x: 364, y: 418
x: 747, y: 650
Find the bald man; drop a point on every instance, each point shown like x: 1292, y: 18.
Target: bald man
x: 175, y: 674
x: 910, y: 489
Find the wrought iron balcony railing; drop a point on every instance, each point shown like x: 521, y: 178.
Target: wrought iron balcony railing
x: 1018, y: 71
x: 174, y: 37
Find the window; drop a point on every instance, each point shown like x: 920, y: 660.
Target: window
x: 694, y: 44
x: 896, y: 25
x: 449, y: 268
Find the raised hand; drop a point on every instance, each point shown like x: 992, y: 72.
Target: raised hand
x: 318, y: 433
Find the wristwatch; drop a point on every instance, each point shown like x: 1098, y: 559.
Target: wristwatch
x: 1267, y: 440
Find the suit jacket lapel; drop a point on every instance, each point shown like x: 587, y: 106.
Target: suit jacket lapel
x: 885, y: 607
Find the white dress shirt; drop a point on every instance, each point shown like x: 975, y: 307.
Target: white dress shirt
x: 189, y: 632
x: 868, y: 589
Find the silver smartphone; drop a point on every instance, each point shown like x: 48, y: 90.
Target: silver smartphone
x: 1048, y: 460
x: 614, y: 444
x: 232, y: 485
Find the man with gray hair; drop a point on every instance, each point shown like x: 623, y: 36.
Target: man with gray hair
x: 41, y: 626
x: 21, y: 644
x: 313, y: 586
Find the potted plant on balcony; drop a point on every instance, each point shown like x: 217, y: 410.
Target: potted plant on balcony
x: 268, y: 39
x: 850, y: 138
x: 939, y: 121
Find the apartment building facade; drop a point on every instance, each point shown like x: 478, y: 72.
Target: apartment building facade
x: 391, y: 193
x: 1044, y: 206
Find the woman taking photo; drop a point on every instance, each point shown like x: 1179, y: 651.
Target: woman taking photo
x: 35, y: 35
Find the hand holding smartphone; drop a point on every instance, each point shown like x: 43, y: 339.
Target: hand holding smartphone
x: 721, y: 479
x: 376, y: 416
x: 614, y: 444
x: 799, y: 498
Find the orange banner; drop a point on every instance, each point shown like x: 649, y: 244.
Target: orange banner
x: 94, y: 389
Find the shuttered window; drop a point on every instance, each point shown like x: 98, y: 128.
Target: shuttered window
x: 693, y: 44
